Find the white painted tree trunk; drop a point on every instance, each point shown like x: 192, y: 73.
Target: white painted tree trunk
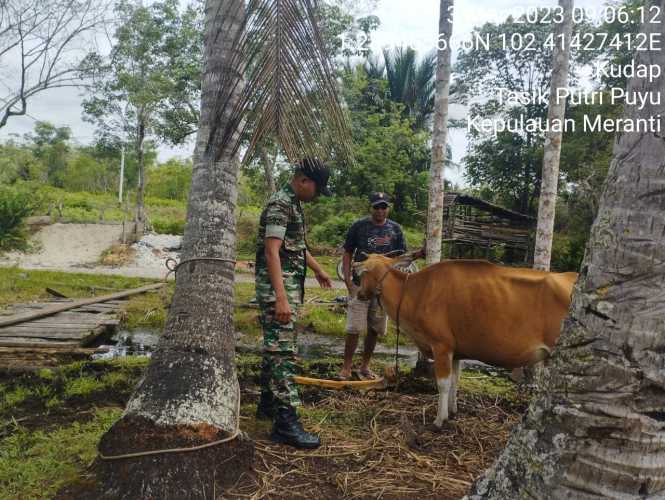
x: 189, y: 395
x: 542, y: 254
x: 597, y: 430
x: 140, y: 191
x: 439, y: 135
x: 122, y: 173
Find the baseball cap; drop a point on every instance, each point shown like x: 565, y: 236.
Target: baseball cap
x: 316, y: 170
x: 378, y: 199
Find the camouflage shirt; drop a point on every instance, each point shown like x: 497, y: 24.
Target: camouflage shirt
x: 282, y: 218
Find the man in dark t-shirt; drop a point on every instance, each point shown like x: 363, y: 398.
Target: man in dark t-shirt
x: 373, y: 234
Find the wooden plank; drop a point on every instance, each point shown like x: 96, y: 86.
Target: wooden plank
x: 54, y: 309
x: 28, y: 343
x: 79, y: 322
x: 53, y: 335
x: 29, y: 327
x: 47, y: 341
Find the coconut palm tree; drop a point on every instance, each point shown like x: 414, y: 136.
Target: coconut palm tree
x: 411, y: 82
x: 265, y: 76
x: 595, y: 430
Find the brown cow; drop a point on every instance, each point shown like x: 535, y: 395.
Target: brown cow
x: 471, y: 309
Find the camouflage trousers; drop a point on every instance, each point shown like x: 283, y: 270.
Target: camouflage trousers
x: 279, y: 355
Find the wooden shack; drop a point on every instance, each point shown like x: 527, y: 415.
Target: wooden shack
x: 475, y: 228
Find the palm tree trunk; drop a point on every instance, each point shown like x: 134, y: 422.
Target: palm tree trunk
x: 550, y: 177
x: 190, y: 395
x: 439, y: 136
x: 596, y: 430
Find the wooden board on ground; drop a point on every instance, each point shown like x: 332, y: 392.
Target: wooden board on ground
x: 48, y: 333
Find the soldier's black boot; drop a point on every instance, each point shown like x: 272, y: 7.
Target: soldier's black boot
x: 287, y: 429
x: 265, y: 408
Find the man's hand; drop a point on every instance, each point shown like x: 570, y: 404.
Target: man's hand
x: 323, y: 279
x: 282, y: 310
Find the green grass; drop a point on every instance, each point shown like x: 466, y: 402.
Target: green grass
x: 149, y: 310
x: 35, y: 464
x: 85, y: 207
x: 41, y: 455
x: 476, y: 382
x: 45, y: 390
x: 19, y: 285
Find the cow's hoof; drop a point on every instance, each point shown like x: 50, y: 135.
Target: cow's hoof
x: 442, y: 426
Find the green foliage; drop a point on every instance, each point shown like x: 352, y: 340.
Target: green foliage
x: 83, y: 386
x: 169, y: 180
x: 15, y: 206
x: 411, y: 83
x: 51, y: 146
x: 343, y: 31
x: 390, y: 154
x: 85, y: 173
x: 35, y: 464
x: 152, y: 78
x: 15, y: 397
x: 332, y: 232
x: 20, y: 163
x: 623, y: 54
x: 23, y: 285
x: 247, y: 227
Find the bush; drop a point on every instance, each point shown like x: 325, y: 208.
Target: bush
x: 327, y: 236
x: 246, y: 231
x: 15, y: 206
x: 170, y: 180
x: 168, y: 226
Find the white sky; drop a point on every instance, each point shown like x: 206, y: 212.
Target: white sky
x: 413, y: 22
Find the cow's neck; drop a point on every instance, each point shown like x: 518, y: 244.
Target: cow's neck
x: 392, y: 290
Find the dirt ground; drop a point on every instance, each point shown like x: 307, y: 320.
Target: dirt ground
x: 388, y: 448
x: 79, y: 248
x: 379, y: 444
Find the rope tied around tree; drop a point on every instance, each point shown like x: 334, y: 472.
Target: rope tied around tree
x: 234, y: 435
x: 172, y: 265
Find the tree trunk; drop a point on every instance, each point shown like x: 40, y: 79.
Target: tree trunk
x: 190, y: 394
x: 268, y: 169
x: 140, y: 192
x: 542, y: 254
x: 597, y: 429
x: 439, y: 135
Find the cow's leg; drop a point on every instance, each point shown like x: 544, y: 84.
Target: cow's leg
x: 454, y: 380
x: 442, y: 369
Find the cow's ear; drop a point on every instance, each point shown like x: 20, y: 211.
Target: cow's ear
x: 404, y: 260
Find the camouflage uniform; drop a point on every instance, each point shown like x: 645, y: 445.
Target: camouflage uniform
x: 281, y: 218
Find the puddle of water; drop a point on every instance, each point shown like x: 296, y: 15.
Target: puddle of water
x: 130, y: 343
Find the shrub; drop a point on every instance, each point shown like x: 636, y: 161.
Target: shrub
x: 168, y: 226
x: 246, y: 231
x: 328, y: 235
x: 15, y: 206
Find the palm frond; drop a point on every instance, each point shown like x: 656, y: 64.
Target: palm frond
x: 289, y: 92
